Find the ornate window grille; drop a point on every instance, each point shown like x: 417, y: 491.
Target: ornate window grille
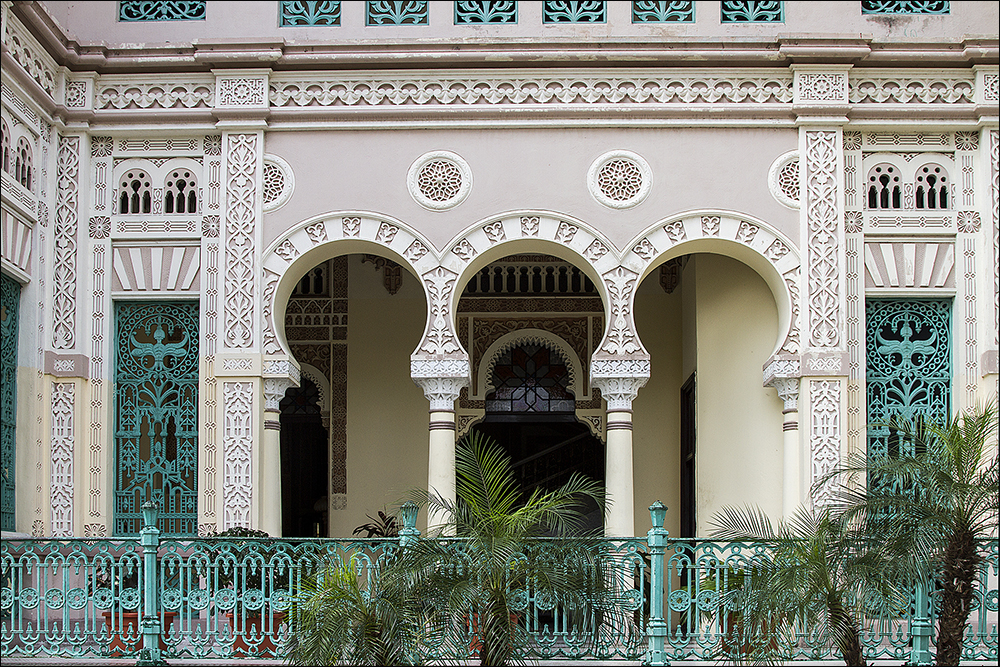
x: 485, y: 11
x: 574, y: 11
x: 751, y: 11
x: 169, y: 10
x: 135, y: 192
x: 314, y: 283
x: 908, y: 352
x: 663, y: 11
x: 181, y: 193
x: 884, y: 187
x: 10, y: 295
x: 530, y: 378
x: 22, y: 163
x: 156, y: 415
x: 905, y: 7
x: 300, y: 13
x: 404, y: 12
x: 931, y: 189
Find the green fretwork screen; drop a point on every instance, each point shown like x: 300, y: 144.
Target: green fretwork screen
x: 908, y: 347
x: 156, y: 415
x: 10, y: 293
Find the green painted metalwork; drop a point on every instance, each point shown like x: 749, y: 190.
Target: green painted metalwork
x: 662, y: 11
x: 485, y: 11
x: 908, y: 353
x: 397, y: 12
x: 10, y: 297
x: 905, y: 7
x: 303, y: 13
x: 663, y: 599
x: 168, y: 10
x: 753, y: 11
x: 156, y: 414
x: 574, y: 11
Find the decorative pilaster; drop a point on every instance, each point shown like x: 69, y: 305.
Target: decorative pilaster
x: 63, y: 450
x: 64, y: 269
x: 238, y: 439
x: 619, y: 381
x: 821, y: 104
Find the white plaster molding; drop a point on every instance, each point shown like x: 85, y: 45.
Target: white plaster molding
x: 788, y: 391
x: 238, y: 476
x: 824, y: 436
x: 441, y: 391
x: 619, y: 392
x: 781, y: 366
x: 63, y: 446
x: 786, y: 193
x: 619, y: 179
x: 277, y: 182
x: 274, y: 391
x: 439, y: 180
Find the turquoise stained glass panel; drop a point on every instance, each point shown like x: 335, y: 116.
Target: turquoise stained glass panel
x: 908, y: 354
x: 10, y: 296
x: 169, y: 10
x: 156, y: 415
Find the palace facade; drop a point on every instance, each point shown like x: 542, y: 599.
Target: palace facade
x: 264, y: 262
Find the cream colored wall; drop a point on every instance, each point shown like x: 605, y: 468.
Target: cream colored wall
x: 739, y: 442
x: 531, y: 169
x: 656, y: 410
x: 386, y: 412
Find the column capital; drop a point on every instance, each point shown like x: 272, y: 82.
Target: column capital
x: 274, y: 391
x: 619, y: 380
x: 441, y: 379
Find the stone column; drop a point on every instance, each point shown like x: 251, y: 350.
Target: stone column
x: 442, y: 382
x: 270, y: 456
x: 782, y: 374
x: 619, y: 382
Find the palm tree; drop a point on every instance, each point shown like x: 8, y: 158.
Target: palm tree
x: 931, y: 507
x: 818, y: 570
x: 337, y: 620
x: 482, y: 577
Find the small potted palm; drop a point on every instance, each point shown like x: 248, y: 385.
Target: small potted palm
x: 244, y: 562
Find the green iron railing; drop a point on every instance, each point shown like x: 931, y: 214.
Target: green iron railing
x: 152, y: 599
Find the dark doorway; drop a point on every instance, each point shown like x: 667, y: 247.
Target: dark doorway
x: 304, y: 464
x: 687, y: 458
x: 546, y: 449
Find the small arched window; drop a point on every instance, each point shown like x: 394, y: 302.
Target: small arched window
x: 135, y: 193
x: 22, y: 163
x: 181, y: 193
x: 884, y: 187
x: 6, y: 146
x: 931, y: 187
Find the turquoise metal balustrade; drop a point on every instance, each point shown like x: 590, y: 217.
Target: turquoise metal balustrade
x: 156, y: 598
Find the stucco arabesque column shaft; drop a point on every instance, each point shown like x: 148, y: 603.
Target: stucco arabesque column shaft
x: 619, y: 381
x: 442, y: 381
x: 821, y: 105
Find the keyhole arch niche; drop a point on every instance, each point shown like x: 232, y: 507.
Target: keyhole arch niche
x: 353, y: 310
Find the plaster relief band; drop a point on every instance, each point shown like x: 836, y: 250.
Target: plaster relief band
x: 790, y: 426
x: 271, y: 425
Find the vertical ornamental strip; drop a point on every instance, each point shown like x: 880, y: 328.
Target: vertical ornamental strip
x: 656, y: 539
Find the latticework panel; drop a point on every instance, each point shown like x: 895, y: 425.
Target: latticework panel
x: 10, y: 293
